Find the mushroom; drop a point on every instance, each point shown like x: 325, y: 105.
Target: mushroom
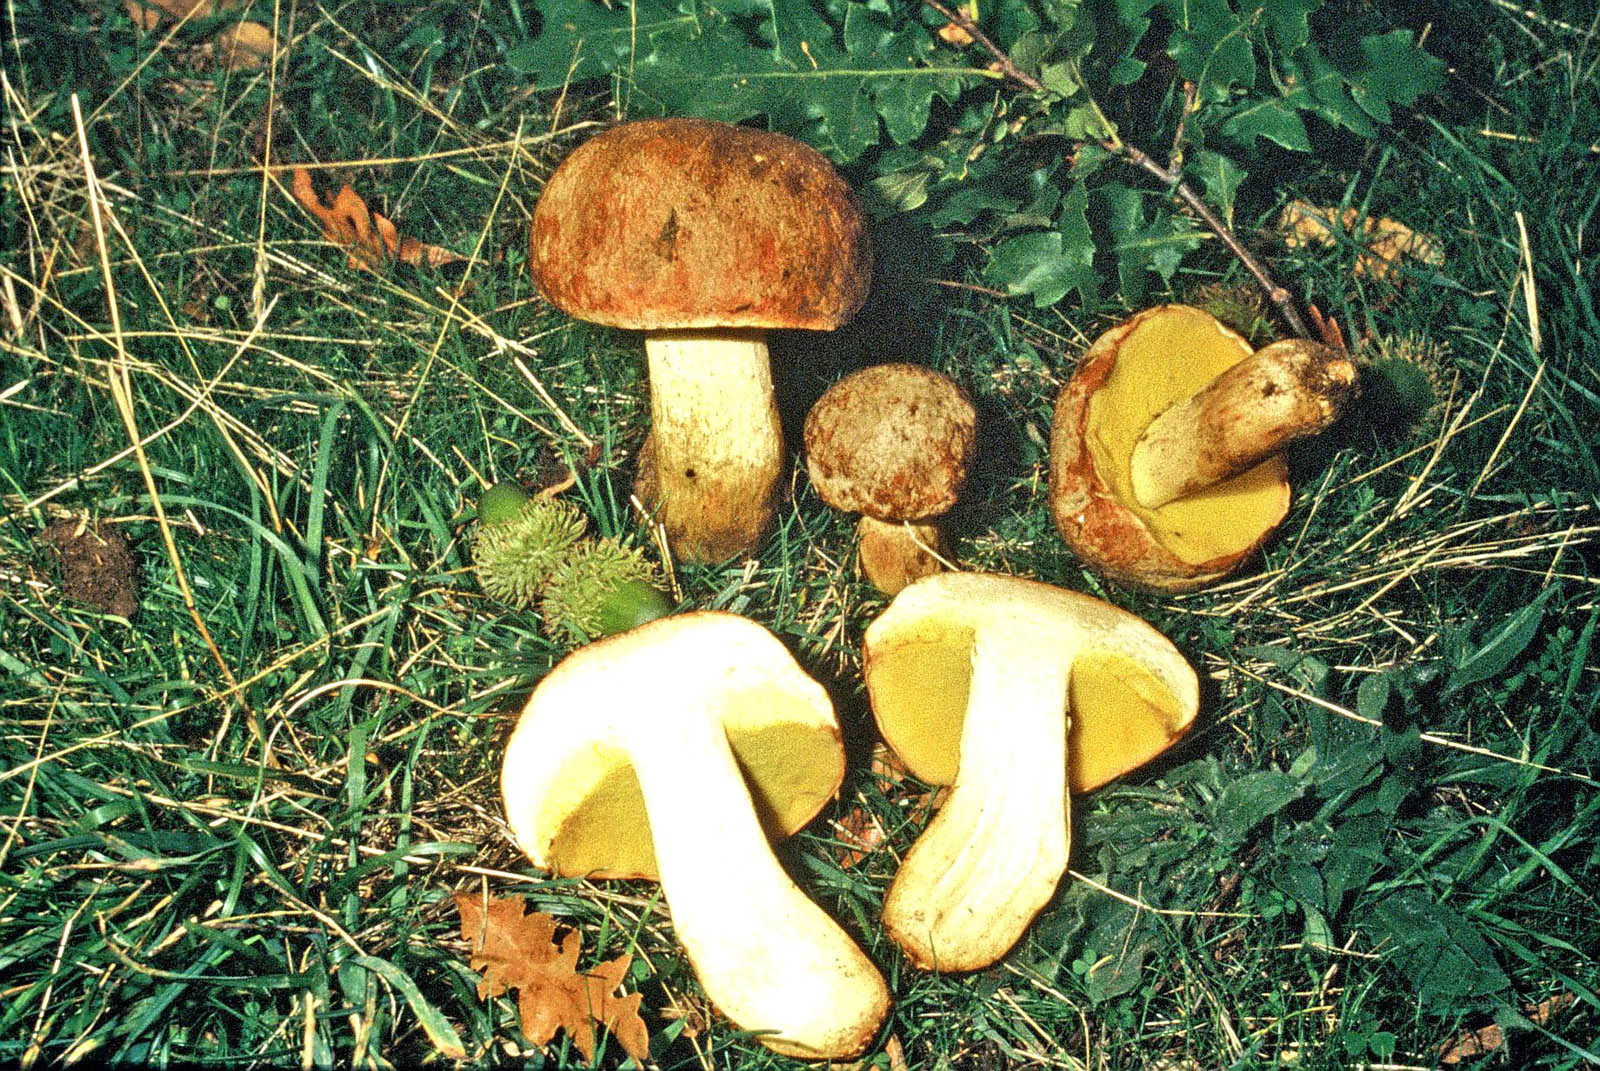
x: 1012, y: 692
x: 1166, y: 466
x: 893, y: 443
x: 673, y: 752
x: 704, y: 235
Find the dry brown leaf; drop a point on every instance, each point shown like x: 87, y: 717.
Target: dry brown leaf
x: 244, y: 46
x: 146, y: 14
x: 370, y: 237
x: 1486, y: 1039
x: 516, y: 949
x: 1385, y: 240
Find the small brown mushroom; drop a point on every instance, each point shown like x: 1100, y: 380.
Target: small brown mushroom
x: 1166, y: 466
x: 894, y: 443
x: 704, y: 235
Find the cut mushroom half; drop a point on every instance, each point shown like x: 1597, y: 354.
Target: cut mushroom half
x: 1166, y: 463
x: 1013, y: 692
x: 704, y: 235
x: 673, y: 752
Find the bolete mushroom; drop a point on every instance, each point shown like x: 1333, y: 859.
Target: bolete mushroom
x: 893, y: 442
x: 673, y: 752
x: 704, y: 235
x: 1012, y: 692
x: 1166, y: 466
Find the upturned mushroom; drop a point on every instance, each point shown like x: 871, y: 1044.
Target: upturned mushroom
x: 1166, y: 463
x: 1013, y: 692
x: 673, y: 752
x: 894, y: 443
x: 704, y: 235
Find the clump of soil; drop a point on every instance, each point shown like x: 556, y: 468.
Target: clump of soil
x: 97, y: 565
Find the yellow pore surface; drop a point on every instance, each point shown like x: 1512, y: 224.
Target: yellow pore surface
x: 791, y: 771
x: 1166, y: 358
x: 1122, y: 715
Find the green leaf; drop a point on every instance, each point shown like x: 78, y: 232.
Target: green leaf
x: 1393, y: 71
x: 580, y: 39
x: 1435, y: 947
x: 1288, y: 21
x: 1221, y: 178
x: 1372, y: 696
x: 1047, y: 265
x: 1251, y: 800
x: 1272, y: 118
x: 1145, y: 245
x: 1211, y: 45
x: 1502, y: 647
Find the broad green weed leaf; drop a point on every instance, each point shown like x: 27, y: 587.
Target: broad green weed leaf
x: 1502, y: 647
x: 1436, y: 947
x: 1211, y: 45
x: 1272, y: 118
x: 1221, y: 178
x: 1393, y: 71
x: 1251, y: 800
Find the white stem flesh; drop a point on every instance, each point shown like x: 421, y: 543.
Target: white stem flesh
x: 991, y: 858
x: 718, y: 441
x: 1284, y: 392
x: 768, y: 958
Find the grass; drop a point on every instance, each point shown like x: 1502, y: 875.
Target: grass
x: 233, y: 823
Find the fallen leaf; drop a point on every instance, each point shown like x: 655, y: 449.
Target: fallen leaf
x: 370, y: 237
x: 244, y: 46
x: 1385, y: 241
x: 1486, y: 1039
x: 146, y: 14
x: 516, y: 949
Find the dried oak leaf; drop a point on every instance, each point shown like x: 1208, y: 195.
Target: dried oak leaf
x: 1385, y: 241
x: 1472, y: 1043
x: 244, y: 46
x: 372, y: 239
x: 516, y: 949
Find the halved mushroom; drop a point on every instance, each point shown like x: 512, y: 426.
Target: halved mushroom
x: 1012, y: 692
x: 1166, y: 468
x: 674, y: 751
x: 703, y: 235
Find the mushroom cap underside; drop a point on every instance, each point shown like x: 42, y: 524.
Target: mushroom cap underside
x: 1129, y: 376
x: 1131, y: 693
x: 664, y: 224
x: 892, y: 441
x: 572, y: 800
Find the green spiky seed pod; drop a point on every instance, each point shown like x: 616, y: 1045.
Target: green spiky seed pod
x: 601, y: 589
x: 1240, y: 306
x: 1400, y: 384
x: 515, y: 558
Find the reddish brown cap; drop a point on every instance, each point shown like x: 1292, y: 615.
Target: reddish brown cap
x: 893, y: 441
x: 663, y: 224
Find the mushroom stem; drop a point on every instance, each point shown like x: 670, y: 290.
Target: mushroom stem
x: 717, y: 440
x: 746, y: 925
x: 1285, y: 391
x: 991, y: 858
x: 895, y: 553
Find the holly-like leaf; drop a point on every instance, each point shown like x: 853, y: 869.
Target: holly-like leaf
x: 580, y: 40
x: 1273, y: 118
x: 1047, y: 265
x: 517, y: 949
x: 1221, y: 178
x: 1211, y: 44
x: 1393, y: 71
x: 1142, y: 245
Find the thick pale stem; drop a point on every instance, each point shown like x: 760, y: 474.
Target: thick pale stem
x: 895, y: 553
x: 768, y: 957
x: 990, y: 859
x: 718, y: 445
x: 1286, y: 391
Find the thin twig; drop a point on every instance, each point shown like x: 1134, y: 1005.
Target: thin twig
x: 1001, y: 59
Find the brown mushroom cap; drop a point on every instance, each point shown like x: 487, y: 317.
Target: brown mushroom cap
x: 893, y: 441
x: 1131, y: 374
x: 666, y: 224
